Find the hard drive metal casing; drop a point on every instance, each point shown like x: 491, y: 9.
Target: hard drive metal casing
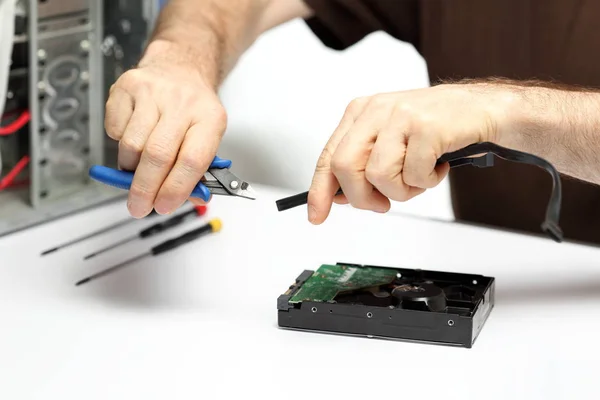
x: 441, y: 328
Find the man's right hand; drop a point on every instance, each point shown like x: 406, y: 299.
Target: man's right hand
x: 169, y: 122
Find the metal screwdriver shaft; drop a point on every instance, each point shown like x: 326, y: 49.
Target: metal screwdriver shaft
x: 111, y: 247
x: 95, y: 233
x: 154, y: 229
x: 212, y: 227
x: 112, y: 269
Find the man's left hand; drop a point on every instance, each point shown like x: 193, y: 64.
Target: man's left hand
x: 386, y: 146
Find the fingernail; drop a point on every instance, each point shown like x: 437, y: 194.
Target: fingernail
x: 136, y: 207
x: 312, y: 214
x: 166, y: 207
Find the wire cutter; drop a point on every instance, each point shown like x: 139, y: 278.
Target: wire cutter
x: 217, y: 180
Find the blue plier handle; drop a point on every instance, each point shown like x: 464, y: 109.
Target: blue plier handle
x: 123, y: 179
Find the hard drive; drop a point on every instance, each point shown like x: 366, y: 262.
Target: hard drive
x: 432, y: 307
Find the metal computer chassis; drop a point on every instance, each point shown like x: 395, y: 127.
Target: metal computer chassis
x: 65, y: 59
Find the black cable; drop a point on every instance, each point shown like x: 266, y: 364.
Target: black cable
x: 465, y: 157
x: 551, y: 223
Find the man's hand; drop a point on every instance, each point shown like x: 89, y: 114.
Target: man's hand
x: 169, y: 122
x: 166, y: 114
x: 386, y: 146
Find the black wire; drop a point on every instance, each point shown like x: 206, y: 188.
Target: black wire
x: 465, y: 157
x: 551, y: 223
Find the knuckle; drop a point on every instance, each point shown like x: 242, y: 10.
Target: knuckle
x: 174, y: 190
x: 187, y: 95
x: 400, y: 192
x: 111, y: 127
x: 378, y: 102
x: 323, y: 163
x: 413, y: 178
x: 401, y: 196
x: 404, y: 108
x: 221, y: 117
x: 361, y: 203
x: 340, y: 165
x: 141, y: 191
x: 135, y: 82
x: 131, y: 144
x: 158, y: 155
x: 190, y: 164
x: 356, y: 105
x: 377, y: 175
x: 131, y: 78
x: 218, y: 116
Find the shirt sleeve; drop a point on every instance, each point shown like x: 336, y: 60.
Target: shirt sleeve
x: 340, y: 24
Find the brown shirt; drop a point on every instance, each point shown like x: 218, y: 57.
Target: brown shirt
x: 519, y: 39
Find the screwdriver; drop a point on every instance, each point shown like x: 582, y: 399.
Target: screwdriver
x: 96, y: 233
x: 211, y: 227
x: 154, y: 229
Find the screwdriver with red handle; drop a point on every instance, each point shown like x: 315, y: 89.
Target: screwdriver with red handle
x: 157, y: 228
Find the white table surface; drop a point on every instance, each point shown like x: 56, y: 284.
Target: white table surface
x: 200, y: 322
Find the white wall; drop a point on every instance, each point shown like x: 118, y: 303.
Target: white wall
x: 288, y: 93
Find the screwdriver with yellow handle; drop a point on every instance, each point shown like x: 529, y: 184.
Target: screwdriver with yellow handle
x: 212, y: 226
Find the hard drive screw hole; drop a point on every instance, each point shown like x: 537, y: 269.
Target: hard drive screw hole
x: 369, y: 314
x: 314, y: 309
x: 450, y: 322
x: 330, y: 311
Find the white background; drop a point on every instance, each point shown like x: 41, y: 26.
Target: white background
x: 200, y: 323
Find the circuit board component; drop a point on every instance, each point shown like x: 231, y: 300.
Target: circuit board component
x: 330, y: 280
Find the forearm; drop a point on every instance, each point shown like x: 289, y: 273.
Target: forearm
x: 558, y: 123
x: 213, y: 34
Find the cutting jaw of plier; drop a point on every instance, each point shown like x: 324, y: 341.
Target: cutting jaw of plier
x: 218, y: 180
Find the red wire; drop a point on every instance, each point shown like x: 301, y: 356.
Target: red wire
x: 17, y: 124
x: 9, y: 179
x: 19, y: 184
x: 13, y: 173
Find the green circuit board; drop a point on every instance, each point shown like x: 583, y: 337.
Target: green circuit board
x: 329, y: 280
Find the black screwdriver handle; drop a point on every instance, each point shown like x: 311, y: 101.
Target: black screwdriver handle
x: 167, y: 224
x: 170, y: 244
